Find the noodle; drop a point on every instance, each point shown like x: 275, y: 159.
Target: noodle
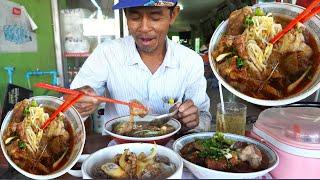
x: 262, y: 30
x: 32, y: 125
x: 256, y: 55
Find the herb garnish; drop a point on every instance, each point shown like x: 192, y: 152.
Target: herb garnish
x: 215, y: 147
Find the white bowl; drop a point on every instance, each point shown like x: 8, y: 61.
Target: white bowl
x: 78, y: 130
x: 206, y: 173
x: 125, y: 139
x: 289, y: 10
x: 106, y: 155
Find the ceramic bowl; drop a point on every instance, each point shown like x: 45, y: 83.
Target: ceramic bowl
x: 120, y: 139
x: 206, y: 173
x: 78, y: 130
x: 95, y: 160
x: 283, y: 9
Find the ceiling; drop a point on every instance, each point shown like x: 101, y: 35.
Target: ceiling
x: 193, y: 11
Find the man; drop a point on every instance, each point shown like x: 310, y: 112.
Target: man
x: 147, y: 66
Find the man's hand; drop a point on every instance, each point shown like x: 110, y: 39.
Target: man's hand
x: 86, y: 105
x: 188, y: 115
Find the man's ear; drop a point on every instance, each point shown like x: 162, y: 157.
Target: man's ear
x: 174, y: 15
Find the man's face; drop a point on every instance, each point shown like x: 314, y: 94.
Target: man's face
x: 149, y: 26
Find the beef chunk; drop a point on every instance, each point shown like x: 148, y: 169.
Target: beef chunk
x: 252, y: 155
x: 236, y: 19
x: 271, y: 91
x: 220, y: 164
x: 188, y: 148
x: 240, y: 145
x: 224, y: 45
x: 240, y: 45
x: 58, y: 145
x: 295, y: 64
x: 195, y: 158
x: 17, y: 114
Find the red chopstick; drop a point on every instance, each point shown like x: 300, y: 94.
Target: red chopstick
x: 57, y: 88
x: 312, y: 13
x: 65, y: 106
x: 74, y: 92
x: 104, y: 99
x: 301, y: 16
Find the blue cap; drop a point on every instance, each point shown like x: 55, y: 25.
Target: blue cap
x: 136, y: 3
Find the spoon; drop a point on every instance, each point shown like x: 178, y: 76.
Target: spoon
x: 164, y: 118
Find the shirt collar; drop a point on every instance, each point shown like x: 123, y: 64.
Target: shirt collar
x: 133, y: 56
x: 169, y: 60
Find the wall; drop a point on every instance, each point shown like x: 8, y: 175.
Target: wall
x: 43, y: 59
x: 170, y: 34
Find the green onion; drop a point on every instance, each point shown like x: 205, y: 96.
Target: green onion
x: 26, y: 111
x: 259, y: 12
x: 234, y: 51
x: 240, y: 62
x: 216, y: 147
x: 21, y: 144
x: 34, y: 104
x: 248, y: 21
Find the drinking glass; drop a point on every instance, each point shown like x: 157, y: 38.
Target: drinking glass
x: 233, y: 119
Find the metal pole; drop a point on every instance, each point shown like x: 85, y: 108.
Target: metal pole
x: 57, y: 40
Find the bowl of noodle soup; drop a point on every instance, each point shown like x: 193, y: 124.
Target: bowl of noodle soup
x: 142, y: 131
x: 267, y: 76
x: 47, y: 153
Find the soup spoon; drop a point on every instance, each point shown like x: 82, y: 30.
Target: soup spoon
x: 164, y: 118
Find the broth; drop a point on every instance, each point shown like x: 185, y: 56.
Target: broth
x: 142, y: 129
x: 68, y: 127
x: 315, y: 58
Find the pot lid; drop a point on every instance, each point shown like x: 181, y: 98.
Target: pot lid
x: 294, y: 126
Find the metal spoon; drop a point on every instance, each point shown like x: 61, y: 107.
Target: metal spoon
x: 164, y: 118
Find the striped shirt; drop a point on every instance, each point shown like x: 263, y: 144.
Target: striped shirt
x: 116, y: 66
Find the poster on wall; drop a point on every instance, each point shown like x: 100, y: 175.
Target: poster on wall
x: 17, y: 29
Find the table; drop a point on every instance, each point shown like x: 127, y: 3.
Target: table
x: 93, y: 143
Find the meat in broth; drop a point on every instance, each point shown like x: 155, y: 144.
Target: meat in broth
x: 142, y: 128
x: 219, y: 153
x: 129, y: 165
x: 248, y: 62
x: 35, y: 150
